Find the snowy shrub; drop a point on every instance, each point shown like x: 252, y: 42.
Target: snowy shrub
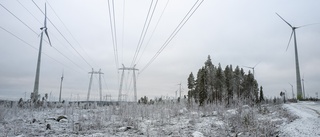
x: 77, y: 127
x: 3, y: 113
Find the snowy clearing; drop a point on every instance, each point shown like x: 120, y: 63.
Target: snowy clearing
x: 308, y: 123
x: 161, y: 119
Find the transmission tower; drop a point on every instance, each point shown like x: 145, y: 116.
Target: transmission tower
x: 100, y: 89
x: 134, y: 82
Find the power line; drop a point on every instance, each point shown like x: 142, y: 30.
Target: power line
x: 174, y: 33
x: 113, y: 33
x: 70, y: 33
x: 28, y: 11
x: 40, y: 23
x: 105, y: 83
x: 153, y: 31
x: 34, y: 47
x: 144, y: 30
x: 35, y: 32
x: 124, y: 5
x: 18, y: 19
x: 63, y: 36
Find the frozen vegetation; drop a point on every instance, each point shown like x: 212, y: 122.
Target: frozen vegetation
x: 162, y: 118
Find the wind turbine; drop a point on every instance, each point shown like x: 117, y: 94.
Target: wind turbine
x: 36, y: 82
x: 298, y: 79
x: 252, y: 68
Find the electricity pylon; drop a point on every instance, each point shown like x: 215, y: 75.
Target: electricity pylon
x: 134, y: 82
x: 100, y: 88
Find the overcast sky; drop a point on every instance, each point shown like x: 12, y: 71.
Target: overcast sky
x: 241, y: 33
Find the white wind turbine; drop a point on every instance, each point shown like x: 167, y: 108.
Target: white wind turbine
x: 298, y: 78
x: 36, y: 82
x: 252, y: 68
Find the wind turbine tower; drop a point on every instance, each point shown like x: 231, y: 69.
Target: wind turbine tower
x: 36, y: 82
x: 298, y: 78
x: 60, y: 88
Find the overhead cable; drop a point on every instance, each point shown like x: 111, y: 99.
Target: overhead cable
x: 174, y: 33
x: 113, y: 32
x: 34, y: 47
x: 71, y: 33
x: 144, y: 30
x: 63, y: 36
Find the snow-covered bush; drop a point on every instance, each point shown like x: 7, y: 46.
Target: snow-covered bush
x: 3, y: 113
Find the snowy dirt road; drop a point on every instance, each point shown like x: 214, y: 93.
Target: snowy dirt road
x: 308, y: 123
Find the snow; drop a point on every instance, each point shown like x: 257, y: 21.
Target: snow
x: 197, y: 134
x: 164, y: 119
x: 308, y: 123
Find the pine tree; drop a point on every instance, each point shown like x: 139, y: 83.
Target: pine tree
x: 250, y: 88
x: 229, y: 83
x: 209, y: 78
x: 191, y: 82
x: 219, y: 83
x: 191, y: 86
x: 201, y: 83
x: 237, y: 82
x: 261, y: 94
x: 195, y: 93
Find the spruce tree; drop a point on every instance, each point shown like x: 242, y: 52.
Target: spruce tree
x: 210, y: 71
x: 219, y: 83
x: 191, y: 86
x: 229, y: 83
x: 261, y: 94
x: 237, y: 81
x: 201, y: 89
x: 191, y: 82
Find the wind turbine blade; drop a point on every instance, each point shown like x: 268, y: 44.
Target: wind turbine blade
x: 289, y: 40
x: 45, y: 15
x: 256, y: 64
x: 308, y: 25
x: 47, y: 36
x: 285, y: 20
x: 248, y: 67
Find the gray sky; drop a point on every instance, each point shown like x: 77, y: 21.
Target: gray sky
x: 240, y: 33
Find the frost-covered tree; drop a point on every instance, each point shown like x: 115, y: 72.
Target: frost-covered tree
x: 191, y: 86
x: 191, y: 82
x: 238, y: 78
x: 229, y: 83
x: 213, y: 84
x: 261, y: 95
x: 250, y: 88
x: 209, y: 78
x: 201, y: 86
x: 219, y: 84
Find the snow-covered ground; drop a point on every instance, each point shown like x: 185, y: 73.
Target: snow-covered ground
x: 308, y: 123
x: 162, y: 119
